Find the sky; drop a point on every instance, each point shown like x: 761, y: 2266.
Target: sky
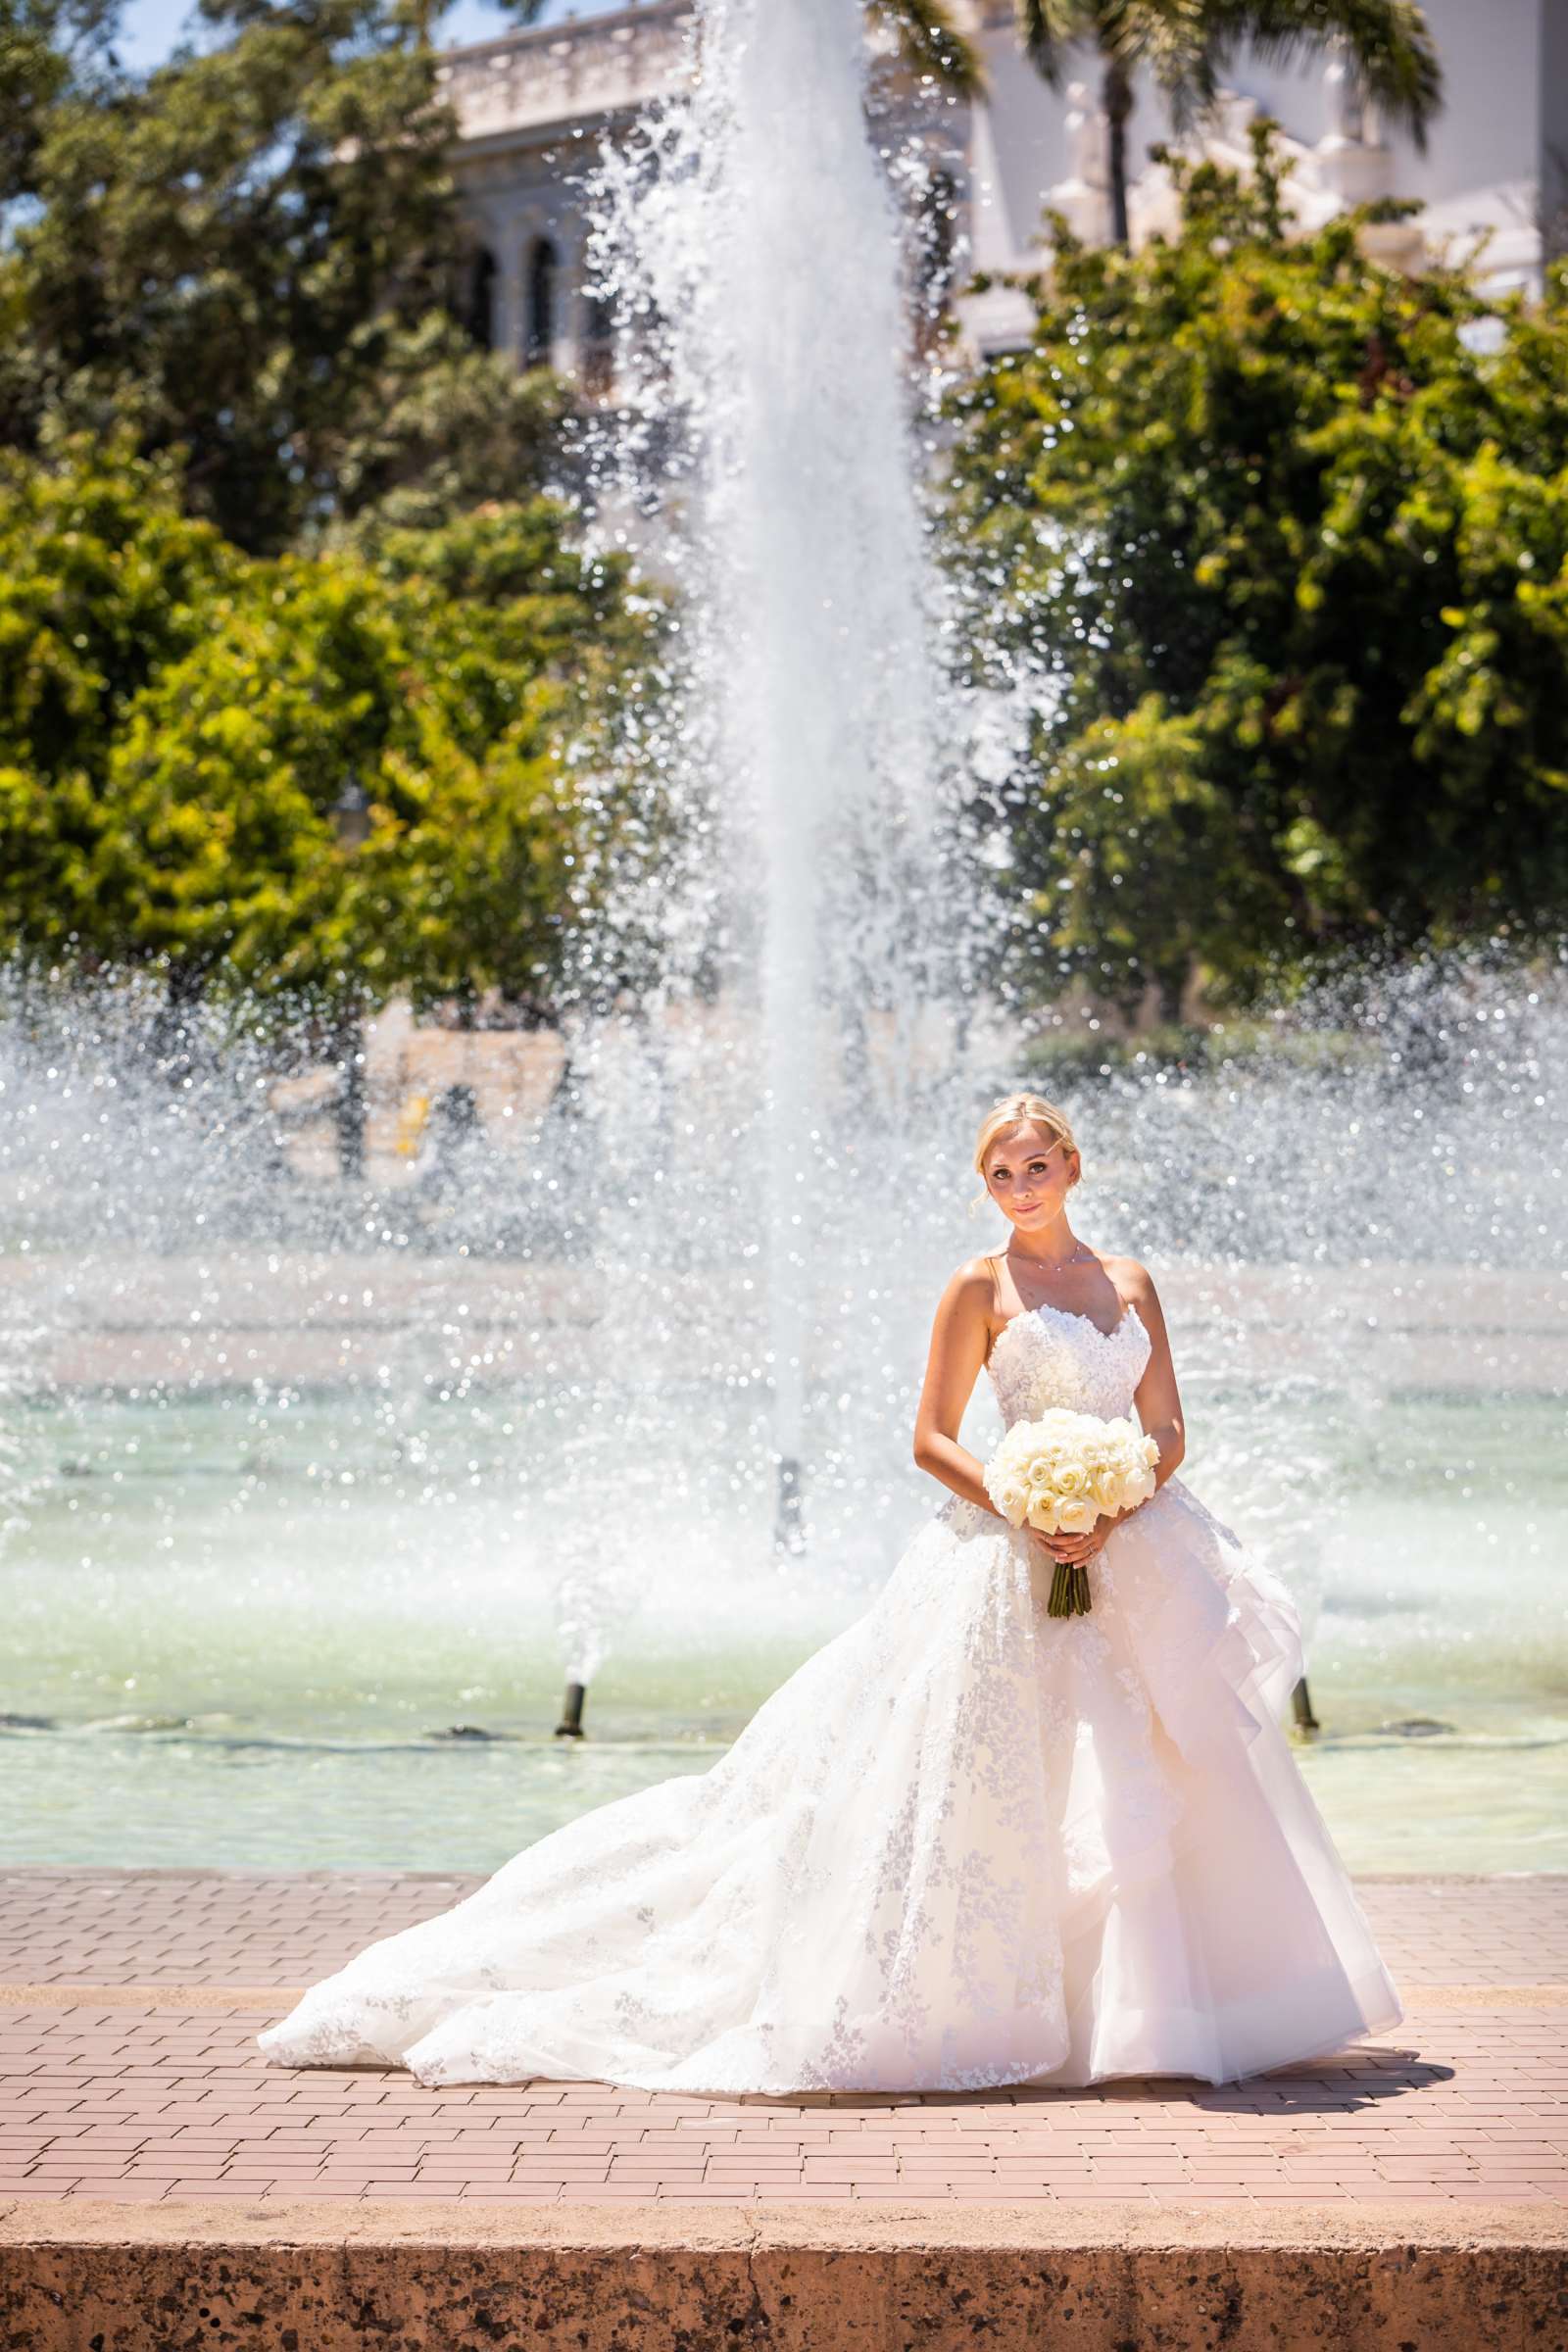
x: 149, y: 28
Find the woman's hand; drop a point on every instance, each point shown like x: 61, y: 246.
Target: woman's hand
x: 1076, y: 1550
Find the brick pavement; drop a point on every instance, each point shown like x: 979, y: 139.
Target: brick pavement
x: 128, y: 2072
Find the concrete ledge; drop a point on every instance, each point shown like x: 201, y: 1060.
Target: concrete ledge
x: 277, y: 1998
x: 459, y: 2277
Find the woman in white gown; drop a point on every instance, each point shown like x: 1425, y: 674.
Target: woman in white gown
x: 967, y: 1844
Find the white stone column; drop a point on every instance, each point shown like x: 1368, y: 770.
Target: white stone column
x: 1352, y: 161
x: 565, y: 351
x: 1083, y: 198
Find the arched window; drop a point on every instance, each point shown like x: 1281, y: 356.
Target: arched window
x: 544, y: 269
x: 480, y: 321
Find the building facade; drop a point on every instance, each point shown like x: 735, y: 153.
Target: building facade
x: 534, y: 106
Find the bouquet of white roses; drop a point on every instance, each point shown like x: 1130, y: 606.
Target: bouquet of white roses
x: 1060, y: 1474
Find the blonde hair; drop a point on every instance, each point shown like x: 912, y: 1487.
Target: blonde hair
x: 1017, y: 1110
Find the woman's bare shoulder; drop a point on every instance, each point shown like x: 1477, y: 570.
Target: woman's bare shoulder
x: 972, y: 1284
x: 1136, y: 1285
x: 1131, y: 1277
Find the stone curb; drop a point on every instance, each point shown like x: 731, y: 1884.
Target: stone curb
x: 454, y: 2276
x: 244, y: 1999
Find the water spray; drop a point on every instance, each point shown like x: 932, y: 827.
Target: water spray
x: 789, y: 1532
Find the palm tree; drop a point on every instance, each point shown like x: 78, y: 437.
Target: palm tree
x: 930, y: 41
x: 1186, y: 44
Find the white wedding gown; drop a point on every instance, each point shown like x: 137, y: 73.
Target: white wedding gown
x: 965, y: 1845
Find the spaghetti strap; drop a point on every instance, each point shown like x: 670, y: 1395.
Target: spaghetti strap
x: 996, y: 1314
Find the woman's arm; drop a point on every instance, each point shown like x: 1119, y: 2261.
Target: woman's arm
x: 1156, y: 1396
x: 960, y: 1339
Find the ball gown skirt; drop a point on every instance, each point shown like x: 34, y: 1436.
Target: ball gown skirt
x: 966, y: 1845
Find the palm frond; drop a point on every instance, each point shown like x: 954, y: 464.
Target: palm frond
x: 1049, y: 28
x: 1173, y: 41
x: 1170, y: 39
x: 1388, y: 40
x: 931, y: 43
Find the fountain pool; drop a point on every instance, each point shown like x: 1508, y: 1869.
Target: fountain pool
x: 282, y: 1632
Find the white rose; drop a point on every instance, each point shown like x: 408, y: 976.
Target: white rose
x: 1077, y: 1516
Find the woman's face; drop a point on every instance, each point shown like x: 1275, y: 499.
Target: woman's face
x: 1029, y: 1173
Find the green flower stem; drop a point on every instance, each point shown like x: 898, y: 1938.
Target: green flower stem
x: 1069, y: 1590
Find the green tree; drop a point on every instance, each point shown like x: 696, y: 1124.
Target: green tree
x: 219, y: 848
x: 247, y: 255
x: 181, y: 723
x: 446, y: 427
x: 931, y: 43
x: 1280, y: 536
x: 1184, y: 46
x: 48, y: 49
x: 103, y: 582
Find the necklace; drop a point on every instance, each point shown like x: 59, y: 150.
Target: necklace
x: 1053, y: 1266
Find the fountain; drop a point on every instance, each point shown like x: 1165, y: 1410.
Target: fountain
x: 318, y: 1488
x: 755, y: 224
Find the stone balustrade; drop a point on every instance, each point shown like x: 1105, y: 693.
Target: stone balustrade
x: 572, y: 72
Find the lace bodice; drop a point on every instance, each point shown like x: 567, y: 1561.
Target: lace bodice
x: 1051, y: 1357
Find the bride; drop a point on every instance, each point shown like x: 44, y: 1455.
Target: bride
x: 967, y: 1844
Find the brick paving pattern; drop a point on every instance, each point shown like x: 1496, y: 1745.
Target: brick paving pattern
x: 203, y: 1927
x: 157, y: 2090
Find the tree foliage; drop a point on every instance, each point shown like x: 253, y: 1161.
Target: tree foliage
x: 1281, y: 535
x: 181, y: 721
x: 252, y: 551
x: 248, y: 255
x: 49, y: 49
x: 931, y: 43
